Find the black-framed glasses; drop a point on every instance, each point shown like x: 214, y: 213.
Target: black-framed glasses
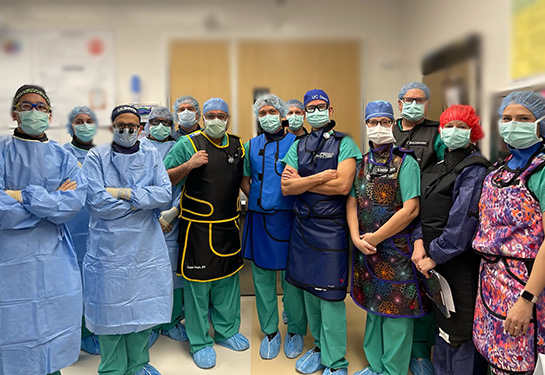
x: 122, y: 127
x: 385, y: 123
x: 26, y: 106
x: 157, y: 121
x: 408, y: 100
x: 320, y: 107
x: 213, y: 116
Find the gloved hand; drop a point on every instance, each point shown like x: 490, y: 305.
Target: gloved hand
x: 120, y: 193
x: 167, y: 217
x: 15, y: 194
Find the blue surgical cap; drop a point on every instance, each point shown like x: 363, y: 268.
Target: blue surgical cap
x: 159, y: 112
x: 315, y: 94
x: 411, y: 86
x: 379, y: 108
x: 215, y: 104
x: 295, y: 103
x: 186, y: 99
x: 271, y: 100
x: 531, y: 100
x: 77, y: 111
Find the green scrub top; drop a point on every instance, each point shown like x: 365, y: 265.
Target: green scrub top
x: 409, y: 180
x: 536, y: 184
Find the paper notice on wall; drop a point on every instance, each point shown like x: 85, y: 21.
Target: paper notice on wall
x: 527, y: 39
x: 75, y: 67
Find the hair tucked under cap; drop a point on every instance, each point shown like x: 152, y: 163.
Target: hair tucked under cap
x: 464, y: 113
x: 78, y: 111
x: 124, y: 108
x: 30, y: 89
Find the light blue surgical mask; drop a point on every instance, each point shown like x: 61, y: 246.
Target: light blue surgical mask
x: 187, y: 118
x: 318, y: 119
x: 33, y: 122
x: 159, y: 132
x: 296, y: 121
x: 413, y: 112
x: 85, y: 132
x: 126, y: 139
x: 270, y: 123
x: 455, y: 138
x: 215, y: 128
x: 520, y: 134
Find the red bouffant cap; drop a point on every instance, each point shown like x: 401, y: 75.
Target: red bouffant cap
x: 466, y: 114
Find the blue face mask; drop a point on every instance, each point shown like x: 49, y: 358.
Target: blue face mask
x: 296, y: 121
x: 85, y: 132
x: 187, y: 118
x: 413, y: 112
x: 159, y: 132
x: 455, y: 138
x: 126, y: 139
x: 318, y: 119
x: 33, y: 122
x: 270, y: 123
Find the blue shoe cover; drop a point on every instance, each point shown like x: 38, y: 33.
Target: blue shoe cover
x: 205, y: 358
x: 339, y: 371
x: 176, y: 333
x: 152, y: 338
x: 236, y: 342
x: 367, y: 371
x: 310, y: 362
x: 421, y: 366
x: 284, y: 317
x: 269, y: 349
x: 90, y: 345
x: 293, y: 346
x: 148, y: 370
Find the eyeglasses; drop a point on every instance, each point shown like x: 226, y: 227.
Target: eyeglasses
x: 417, y: 100
x: 157, y: 121
x: 130, y: 127
x: 319, y: 107
x: 26, y: 106
x: 212, y: 116
x: 385, y: 123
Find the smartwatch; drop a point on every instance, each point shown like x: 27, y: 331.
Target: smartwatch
x: 528, y: 296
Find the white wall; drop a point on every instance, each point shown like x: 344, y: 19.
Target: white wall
x: 143, y: 29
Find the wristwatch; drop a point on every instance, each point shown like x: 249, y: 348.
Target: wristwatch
x: 528, y: 296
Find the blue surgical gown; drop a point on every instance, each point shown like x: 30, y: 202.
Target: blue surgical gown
x: 78, y: 226
x: 40, y: 283
x: 171, y: 237
x: 126, y: 270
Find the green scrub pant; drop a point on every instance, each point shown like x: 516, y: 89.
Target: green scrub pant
x: 423, y: 337
x: 177, y: 311
x: 224, y: 297
x: 387, y: 343
x: 84, y: 331
x: 327, y: 322
x: 123, y: 354
x: 266, y: 300
x: 56, y: 373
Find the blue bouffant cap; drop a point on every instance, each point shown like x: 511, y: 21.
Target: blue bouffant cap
x: 531, y: 100
x: 215, y: 104
x: 124, y: 108
x: 411, y: 86
x: 315, y: 94
x: 379, y: 108
x: 77, y: 111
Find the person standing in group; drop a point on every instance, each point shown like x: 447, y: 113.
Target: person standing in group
x: 381, y: 210
x: 208, y: 166
x: 82, y: 126
x: 41, y: 190
x: 188, y: 113
x: 509, y: 322
x: 413, y: 131
x: 159, y: 128
x: 267, y: 229
x: 448, y: 221
x: 296, y: 118
x: 127, y: 275
x: 319, y: 170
